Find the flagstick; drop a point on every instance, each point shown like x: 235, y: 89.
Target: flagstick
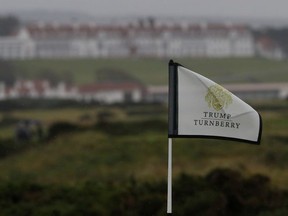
x: 169, y: 191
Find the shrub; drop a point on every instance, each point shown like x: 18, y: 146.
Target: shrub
x: 58, y: 128
x: 222, y: 192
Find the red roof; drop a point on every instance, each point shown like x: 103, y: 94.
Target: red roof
x: 25, y: 87
x: 69, y: 30
x: 267, y: 42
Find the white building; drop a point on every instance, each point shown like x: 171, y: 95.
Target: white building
x: 245, y: 91
x: 106, y: 93
x: 109, y: 93
x: 183, y: 42
x: 259, y: 91
x: 19, y: 46
x: 37, y: 89
x: 103, y: 41
x: 227, y: 40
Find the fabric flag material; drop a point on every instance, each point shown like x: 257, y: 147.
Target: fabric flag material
x: 199, y: 107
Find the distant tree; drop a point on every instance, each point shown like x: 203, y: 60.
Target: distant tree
x: 7, y: 73
x: 8, y: 25
x: 151, y: 21
x: 279, y: 35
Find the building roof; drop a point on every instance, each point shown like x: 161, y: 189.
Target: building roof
x: 26, y: 87
x: 235, y: 87
x: 256, y: 87
x: 70, y: 30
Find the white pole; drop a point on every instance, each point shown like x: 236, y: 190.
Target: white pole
x: 169, y: 191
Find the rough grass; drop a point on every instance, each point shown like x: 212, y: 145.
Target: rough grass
x: 129, y: 145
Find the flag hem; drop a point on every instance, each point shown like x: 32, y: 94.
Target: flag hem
x: 173, y: 99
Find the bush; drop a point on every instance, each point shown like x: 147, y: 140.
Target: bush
x: 133, y: 127
x: 61, y: 128
x: 222, y: 192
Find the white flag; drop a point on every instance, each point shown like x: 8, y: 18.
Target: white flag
x: 198, y: 107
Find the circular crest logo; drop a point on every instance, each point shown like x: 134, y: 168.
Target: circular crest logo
x: 218, y: 97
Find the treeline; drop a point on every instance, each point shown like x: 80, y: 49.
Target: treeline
x: 8, y: 25
x: 221, y: 192
x: 279, y: 35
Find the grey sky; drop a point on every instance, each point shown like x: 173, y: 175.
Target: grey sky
x: 211, y: 8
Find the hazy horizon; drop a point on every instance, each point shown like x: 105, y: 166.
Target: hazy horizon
x: 244, y: 9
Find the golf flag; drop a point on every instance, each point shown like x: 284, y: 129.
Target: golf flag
x: 198, y: 107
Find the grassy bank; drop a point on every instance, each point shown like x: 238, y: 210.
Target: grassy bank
x: 154, y: 71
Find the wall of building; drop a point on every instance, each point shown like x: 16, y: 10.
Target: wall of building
x: 48, y: 41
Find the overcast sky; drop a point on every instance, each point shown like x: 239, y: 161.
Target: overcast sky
x: 211, y: 8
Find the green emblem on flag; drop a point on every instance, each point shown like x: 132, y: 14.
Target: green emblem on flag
x: 218, y: 97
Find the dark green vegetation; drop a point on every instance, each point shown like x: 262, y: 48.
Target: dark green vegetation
x: 97, y: 160
x: 279, y: 35
x: 221, y: 192
x: 8, y: 25
x: 153, y: 71
x: 113, y: 161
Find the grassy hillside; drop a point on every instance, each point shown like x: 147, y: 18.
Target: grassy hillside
x: 154, y: 71
x: 128, y: 146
